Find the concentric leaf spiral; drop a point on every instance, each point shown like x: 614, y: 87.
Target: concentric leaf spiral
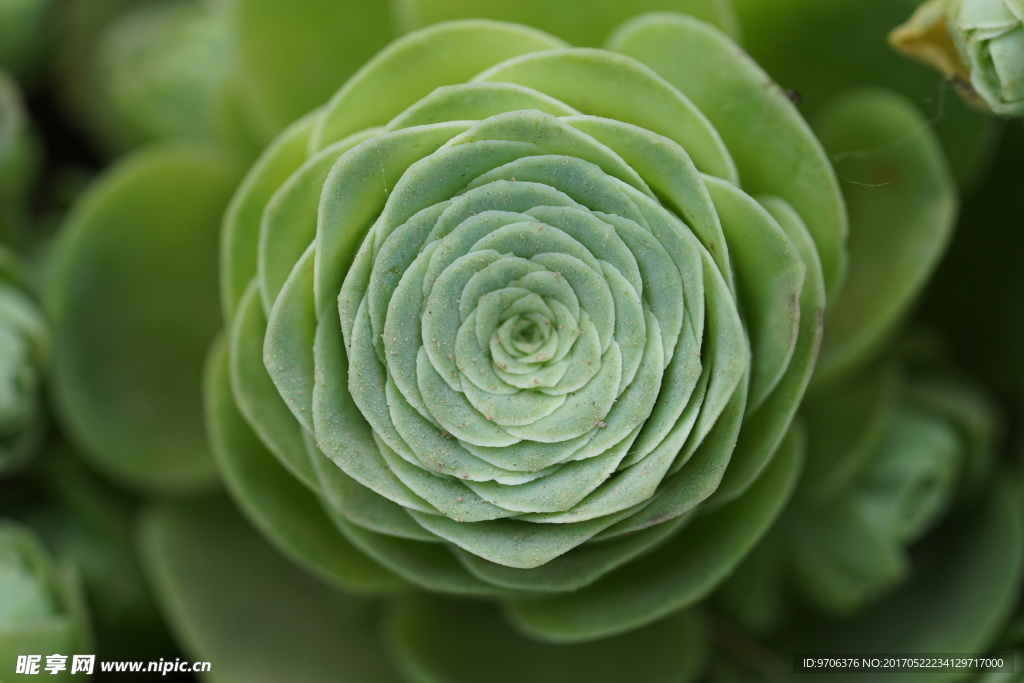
x: 528, y: 321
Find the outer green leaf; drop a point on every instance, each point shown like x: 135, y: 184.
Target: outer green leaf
x: 131, y: 297
x: 604, y: 84
x: 769, y: 284
x: 257, y: 397
x: 240, y: 236
x: 427, y: 565
x: 513, y: 543
x: 578, y: 567
x: 281, y: 507
x: 474, y: 101
x: 234, y: 602
x: 447, y: 641
x: 289, y: 219
x: 765, y: 427
x: 903, y: 205
x: 412, y: 67
x: 775, y: 151
x: 323, y: 40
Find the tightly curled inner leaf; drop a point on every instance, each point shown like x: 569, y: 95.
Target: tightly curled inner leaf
x: 513, y: 327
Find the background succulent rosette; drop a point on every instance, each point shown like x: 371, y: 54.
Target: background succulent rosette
x: 498, y: 329
x: 43, y: 609
x: 902, y: 496
x: 24, y: 360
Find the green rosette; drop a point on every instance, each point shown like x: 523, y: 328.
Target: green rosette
x: 41, y: 608
x: 977, y: 44
x: 91, y: 524
x: 964, y: 581
x: 497, y: 330
x: 24, y: 364
x: 160, y: 72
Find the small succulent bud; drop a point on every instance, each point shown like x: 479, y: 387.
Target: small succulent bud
x: 977, y: 44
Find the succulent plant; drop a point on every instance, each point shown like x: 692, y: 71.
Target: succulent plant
x: 891, y: 455
x: 514, y: 331
x: 41, y: 608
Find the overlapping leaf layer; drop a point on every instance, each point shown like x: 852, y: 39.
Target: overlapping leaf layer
x: 519, y: 320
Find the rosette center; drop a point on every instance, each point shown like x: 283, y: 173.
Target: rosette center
x: 525, y: 337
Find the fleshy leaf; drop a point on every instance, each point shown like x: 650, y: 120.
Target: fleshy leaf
x: 966, y: 582
x: 324, y: 40
x: 776, y: 152
x: 130, y: 294
x: 436, y: 640
x: 280, y: 506
x: 683, y: 571
x: 903, y: 205
x: 234, y: 601
x: 412, y: 67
